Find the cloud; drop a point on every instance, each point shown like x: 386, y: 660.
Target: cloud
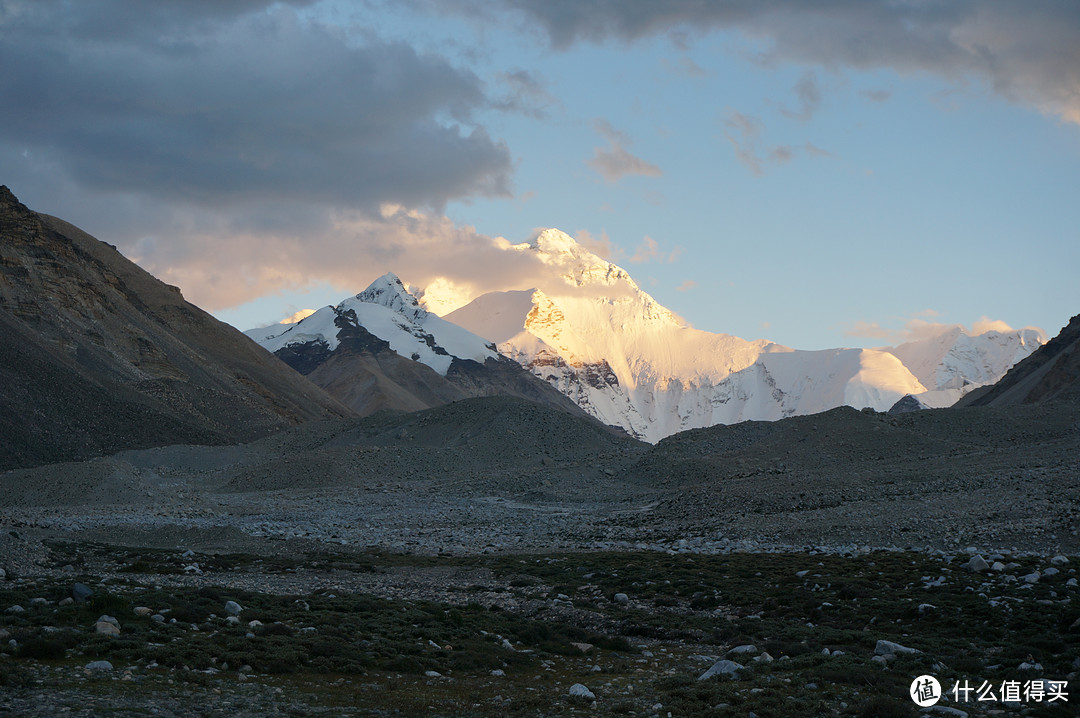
x: 686, y: 286
x: 600, y: 246
x: 223, y: 262
x: 527, y: 94
x: 685, y: 67
x: 297, y: 316
x: 870, y: 330
x: 877, y: 95
x: 986, y: 324
x: 917, y: 329
x: 218, y: 104
x: 808, y: 95
x: 616, y: 162
x: 647, y: 251
x: 1027, y: 52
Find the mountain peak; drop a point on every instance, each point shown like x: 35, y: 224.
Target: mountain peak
x: 389, y: 291
x: 578, y: 266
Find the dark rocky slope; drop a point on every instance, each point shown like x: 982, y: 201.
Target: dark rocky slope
x: 96, y: 355
x: 1051, y: 373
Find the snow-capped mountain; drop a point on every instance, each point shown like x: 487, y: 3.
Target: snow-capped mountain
x: 597, y: 337
x: 387, y: 310
x: 381, y: 349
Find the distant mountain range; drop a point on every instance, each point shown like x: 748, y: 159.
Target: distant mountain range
x: 97, y: 356
x: 619, y: 355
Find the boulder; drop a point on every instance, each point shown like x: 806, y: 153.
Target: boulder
x: 233, y: 608
x: 81, y: 592
x: 582, y: 691
x: 726, y: 668
x: 98, y: 666
x: 976, y: 564
x: 106, y: 629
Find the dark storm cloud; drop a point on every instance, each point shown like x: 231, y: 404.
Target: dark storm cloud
x: 1029, y: 52
x: 219, y: 103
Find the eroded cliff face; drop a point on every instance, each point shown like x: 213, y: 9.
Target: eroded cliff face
x: 96, y: 355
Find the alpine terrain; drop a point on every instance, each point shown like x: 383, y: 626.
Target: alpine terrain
x: 382, y: 350
x: 592, y: 333
x: 97, y: 356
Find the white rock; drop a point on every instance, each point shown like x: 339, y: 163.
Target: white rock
x: 109, y: 619
x: 98, y: 666
x: 1032, y: 577
x: 884, y: 648
x: 724, y: 667
x: 233, y: 608
x: 581, y: 691
x: 1050, y: 571
x: 997, y: 566
x: 621, y: 598
x: 15, y: 609
x: 498, y: 672
x: 432, y: 674
x: 1058, y: 560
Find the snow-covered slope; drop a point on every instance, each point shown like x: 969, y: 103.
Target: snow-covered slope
x: 389, y: 312
x: 596, y: 336
x: 382, y: 350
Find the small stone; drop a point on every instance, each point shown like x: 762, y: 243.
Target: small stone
x: 729, y: 669
x: 825, y: 651
x: 745, y: 648
x: 39, y: 601
x: 98, y: 666
x: 997, y: 566
x: 233, y: 608
x: 764, y: 657
x: 66, y: 602
x: 15, y: 609
x: 976, y: 564
x: 801, y: 574
x: 233, y: 620
x: 3, y: 574
x: 498, y: 672
x: 187, y: 554
x: 880, y: 659
x: 143, y: 611
x: 621, y: 598
x: 924, y: 607
x: 583, y: 647
x: 582, y: 692
x: 158, y: 618
x: 432, y: 674
x: 257, y: 623
x: 109, y: 619
x: 1046, y: 572
x: 1058, y: 560
x: 884, y: 648
x: 1032, y: 577
x: 81, y: 592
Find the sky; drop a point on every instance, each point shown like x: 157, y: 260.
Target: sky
x: 836, y: 173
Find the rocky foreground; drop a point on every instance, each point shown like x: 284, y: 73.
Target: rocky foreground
x: 491, y: 557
